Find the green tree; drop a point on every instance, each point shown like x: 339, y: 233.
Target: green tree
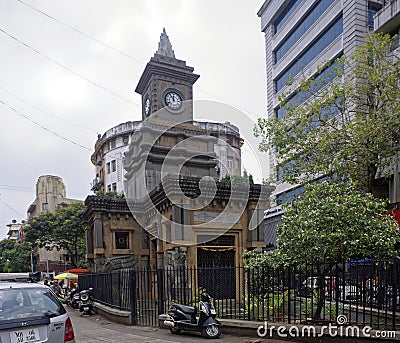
x: 14, y: 257
x: 62, y: 229
x: 348, y: 128
x: 246, y: 178
x: 331, y: 222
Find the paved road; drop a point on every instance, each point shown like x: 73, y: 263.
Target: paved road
x: 96, y: 329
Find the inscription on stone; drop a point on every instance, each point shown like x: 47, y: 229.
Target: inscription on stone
x: 216, y: 217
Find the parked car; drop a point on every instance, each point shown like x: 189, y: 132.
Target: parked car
x: 334, y: 287
x: 30, y: 312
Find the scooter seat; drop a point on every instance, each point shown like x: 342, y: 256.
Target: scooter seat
x: 185, y: 309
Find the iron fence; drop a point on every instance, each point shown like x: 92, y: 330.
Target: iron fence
x: 363, y: 292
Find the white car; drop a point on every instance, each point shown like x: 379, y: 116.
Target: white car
x: 30, y: 312
x: 346, y: 291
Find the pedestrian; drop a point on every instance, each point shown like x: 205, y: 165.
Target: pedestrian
x: 46, y: 282
x: 55, y: 287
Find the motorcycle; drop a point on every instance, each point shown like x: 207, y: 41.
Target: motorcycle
x: 86, y: 301
x: 181, y: 317
x: 72, y: 298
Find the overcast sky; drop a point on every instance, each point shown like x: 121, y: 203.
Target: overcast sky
x: 69, y: 69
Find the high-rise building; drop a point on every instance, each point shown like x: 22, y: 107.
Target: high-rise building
x: 302, y: 35
x: 387, y: 20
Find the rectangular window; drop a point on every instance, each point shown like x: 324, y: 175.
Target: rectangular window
x: 125, y: 140
x: 301, y: 28
x: 230, y: 163
x: 122, y: 240
x: 287, y: 12
x: 334, y: 31
x: 168, y: 232
x: 114, y: 187
x: 323, y: 78
x: 109, y: 188
x: 108, y: 168
x: 145, y: 240
x: 113, y: 166
x: 45, y: 206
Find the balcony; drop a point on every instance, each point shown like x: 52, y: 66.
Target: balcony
x: 388, y: 18
x: 97, y: 184
x: 99, y: 161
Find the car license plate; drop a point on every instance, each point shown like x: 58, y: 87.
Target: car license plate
x: 213, y: 311
x: 23, y: 336
x: 86, y: 308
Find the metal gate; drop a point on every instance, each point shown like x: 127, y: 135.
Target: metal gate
x: 216, y: 272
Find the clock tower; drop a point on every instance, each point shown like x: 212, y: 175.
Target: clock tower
x: 167, y: 83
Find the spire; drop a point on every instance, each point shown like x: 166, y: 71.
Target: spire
x: 164, y: 46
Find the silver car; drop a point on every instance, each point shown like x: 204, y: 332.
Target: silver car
x: 31, y: 312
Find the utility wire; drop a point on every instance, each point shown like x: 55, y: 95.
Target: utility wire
x: 80, y: 32
x: 16, y: 188
x: 45, y: 112
x: 117, y: 50
x: 66, y: 68
x: 43, y: 127
x: 11, y: 208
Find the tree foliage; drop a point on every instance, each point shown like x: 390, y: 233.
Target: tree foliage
x: 348, y: 128
x: 14, y: 258
x: 62, y: 229
x: 332, y: 222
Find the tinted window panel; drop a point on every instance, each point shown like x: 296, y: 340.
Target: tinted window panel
x: 313, y: 51
x: 301, y: 28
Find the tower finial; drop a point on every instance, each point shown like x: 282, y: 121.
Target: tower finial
x: 164, y: 46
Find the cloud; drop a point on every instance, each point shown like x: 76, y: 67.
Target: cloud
x: 40, y: 76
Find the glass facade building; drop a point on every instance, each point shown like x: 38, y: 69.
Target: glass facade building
x: 300, y: 36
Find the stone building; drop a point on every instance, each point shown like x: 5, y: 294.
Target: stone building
x: 50, y: 195
x: 175, y: 212
x: 164, y: 77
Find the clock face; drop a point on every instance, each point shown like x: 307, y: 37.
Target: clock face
x: 147, y: 106
x: 173, y: 100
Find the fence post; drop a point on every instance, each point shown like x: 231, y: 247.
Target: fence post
x: 248, y: 292
x: 288, y: 279
x: 160, y: 290
x: 394, y: 292
x: 133, y: 302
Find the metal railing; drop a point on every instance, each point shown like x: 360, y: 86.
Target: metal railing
x: 365, y: 292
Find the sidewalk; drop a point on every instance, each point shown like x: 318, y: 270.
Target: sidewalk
x: 96, y: 329
x: 91, y: 329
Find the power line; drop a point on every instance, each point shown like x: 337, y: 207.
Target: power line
x: 43, y: 127
x: 117, y: 50
x: 16, y: 188
x: 11, y: 208
x: 45, y: 112
x: 80, y: 32
x: 66, y: 68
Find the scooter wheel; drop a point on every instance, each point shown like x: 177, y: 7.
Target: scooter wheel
x: 175, y: 331
x: 211, y: 331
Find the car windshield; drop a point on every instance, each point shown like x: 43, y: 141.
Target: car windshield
x: 27, y: 303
